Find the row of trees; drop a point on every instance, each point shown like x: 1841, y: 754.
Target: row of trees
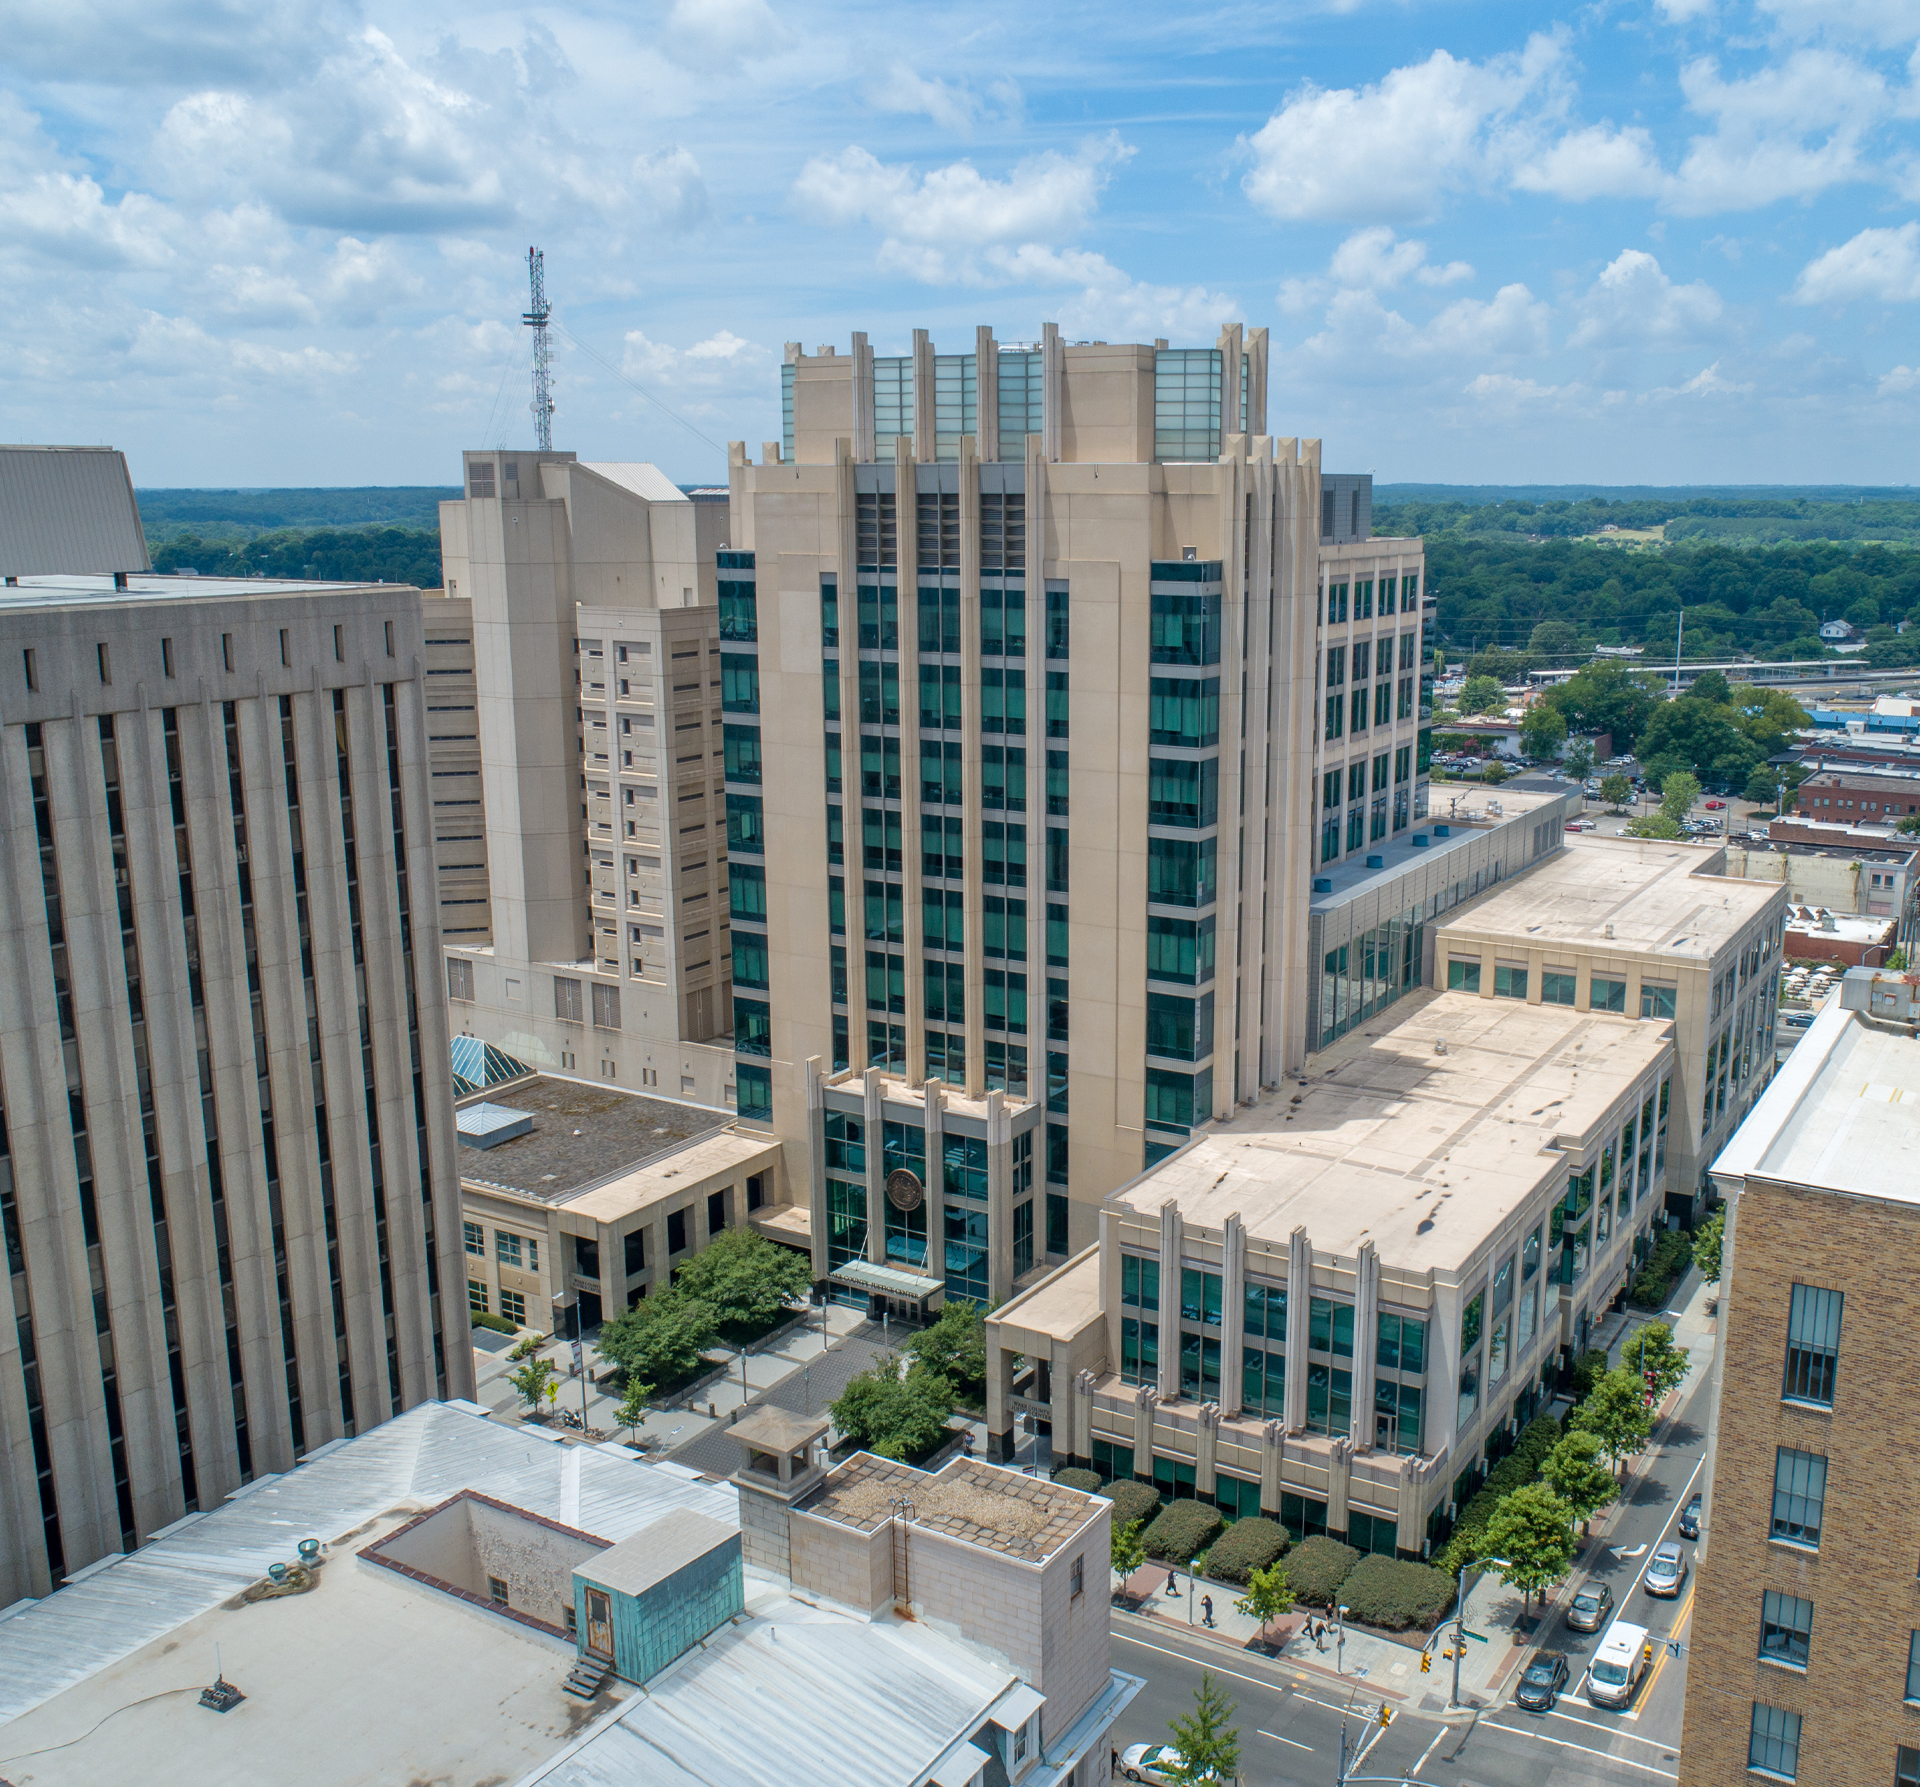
x: 899, y: 1407
x: 1532, y: 1528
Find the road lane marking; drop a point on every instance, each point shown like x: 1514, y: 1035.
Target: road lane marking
x: 1428, y: 1751
x: 1232, y: 1674
x: 1561, y: 1743
x: 1595, y: 1725
x: 1277, y: 1738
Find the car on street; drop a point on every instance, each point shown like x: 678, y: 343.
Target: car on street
x: 1797, y: 1020
x: 1690, y: 1519
x: 1540, y: 1686
x: 1618, y: 1665
x: 1156, y: 1763
x: 1666, y: 1569
x: 1590, y: 1607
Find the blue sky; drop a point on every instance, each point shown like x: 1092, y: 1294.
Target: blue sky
x: 281, y: 241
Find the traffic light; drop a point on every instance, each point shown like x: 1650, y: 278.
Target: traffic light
x: 1426, y: 1661
x: 1386, y: 1716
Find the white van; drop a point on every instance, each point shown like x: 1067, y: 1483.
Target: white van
x: 1617, y: 1665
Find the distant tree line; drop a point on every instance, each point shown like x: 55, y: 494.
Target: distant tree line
x: 331, y: 555
x: 1551, y: 603
x: 1760, y: 518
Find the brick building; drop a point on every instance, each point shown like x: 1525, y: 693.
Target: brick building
x: 1805, y: 1642
x: 1850, y: 794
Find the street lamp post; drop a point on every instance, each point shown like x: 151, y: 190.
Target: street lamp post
x: 1460, y: 1620
x: 1340, y: 1642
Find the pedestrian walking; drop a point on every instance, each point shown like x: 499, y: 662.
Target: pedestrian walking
x: 1206, y: 1610
x: 1173, y: 1586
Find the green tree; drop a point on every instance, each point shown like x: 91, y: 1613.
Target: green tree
x: 1554, y: 639
x: 1495, y: 773
x: 1650, y: 1348
x: 1616, y: 790
x: 1654, y: 825
x: 1700, y: 736
x: 955, y: 1346
x: 1606, y: 697
x: 1209, y: 1746
x: 1482, y: 695
x: 1502, y: 665
x: 897, y: 1415
x: 1896, y: 963
x: 1267, y: 1596
x: 1129, y: 1551
x: 1543, y: 732
x: 745, y: 1279
x: 1615, y: 1412
x: 661, y: 1339
x: 1909, y: 826
x: 634, y: 1405
x: 1678, y: 792
x: 1532, y: 1529
x: 537, y: 1382
x: 1711, y: 685
x: 1574, y: 1473
x: 1763, y: 787
x: 1770, y: 717
x: 1579, y: 760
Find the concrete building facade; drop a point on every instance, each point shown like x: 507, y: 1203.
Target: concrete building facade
x: 1062, y: 677
x: 228, y: 1202
x: 1805, y: 1638
x: 578, y: 772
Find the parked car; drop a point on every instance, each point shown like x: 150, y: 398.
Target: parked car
x: 1690, y: 1519
x: 1713, y: 806
x: 1590, y: 1607
x: 1540, y: 1687
x: 1157, y: 1763
x: 1667, y: 1569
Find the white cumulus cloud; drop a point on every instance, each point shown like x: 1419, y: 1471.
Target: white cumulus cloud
x: 954, y: 105
x: 1878, y: 265
x: 1634, y: 304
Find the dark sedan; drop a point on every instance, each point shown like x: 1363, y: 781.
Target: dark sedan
x: 1540, y: 1686
x: 1690, y: 1519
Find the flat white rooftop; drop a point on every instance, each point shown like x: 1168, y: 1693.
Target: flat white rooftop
x: 1841, y: 1115
x: 76, y: 591
x: 1422, y: 1151
x: 1659, y: 898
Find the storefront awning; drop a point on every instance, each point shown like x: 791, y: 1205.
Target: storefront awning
x: 889, y: 1281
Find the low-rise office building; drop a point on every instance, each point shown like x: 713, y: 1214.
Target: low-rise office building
x: 578, y: 1200
x: 1867, y: 872
x: 1805, y: 1639
x: 492, y: 1604
x: 1339, y: 1307
x: 1819, y: 934
x: 1644, y: 929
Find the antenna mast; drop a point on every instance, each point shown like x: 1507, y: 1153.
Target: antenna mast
x: 536, y: 320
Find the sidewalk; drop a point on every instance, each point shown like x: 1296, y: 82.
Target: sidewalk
x: 1493, y: 1610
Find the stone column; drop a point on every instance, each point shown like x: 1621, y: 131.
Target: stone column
x: 1273, y: 1446
x: 1339, y: 1474
x: 1366, y: 1343
x: 1233, y: 1311
x: 1145, y: 1401
x: 999, y: 1198
x: 1299, y: 1283
x: 1169, y: 1385
x: 1081, y: 1447
x: 986, y: 387
x: 1416, y: 1474
x: 1206, y: 1448
x: 935, y: 1114
x: 870, y: 1084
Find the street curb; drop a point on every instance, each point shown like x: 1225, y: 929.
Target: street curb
x: 1222, y: 1642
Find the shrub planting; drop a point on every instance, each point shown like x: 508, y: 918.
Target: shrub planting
x: 1396, y: 1596
x: 1087, y: 1480
x: 1180, y: 1529
x: 1672, y: 1254
x: 1131, y: 1501
x: 1316, y: 1568
x: 1247, y: 1545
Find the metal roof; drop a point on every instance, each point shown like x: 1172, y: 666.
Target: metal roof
x: 802, y: 1697
x: 68, y: 509
x: 417, y: 1459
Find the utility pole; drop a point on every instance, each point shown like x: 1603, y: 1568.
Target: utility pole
x: 535, y: 319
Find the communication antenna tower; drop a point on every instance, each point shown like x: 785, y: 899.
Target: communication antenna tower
x: 536, y: 320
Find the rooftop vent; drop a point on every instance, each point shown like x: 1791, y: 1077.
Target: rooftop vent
x: 1376, y: 862
x: 1443, y: 831
x: 488, y: 1125
x: 1323, y: 884
x: 1420, y: 840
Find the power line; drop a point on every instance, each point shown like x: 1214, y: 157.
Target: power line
x: 608, y: 367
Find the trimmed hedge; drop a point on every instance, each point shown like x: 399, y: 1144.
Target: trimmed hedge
x: 498, y: 1323
x: 1671, y: 1256
x: 1521, y: 1465
x: 1317, y: 1567
x: 1087, y: 1480
x: 1131, y: 1501
x: 1395, y: 1596
x: 1182, y: 1528
x: 1247, y: 1545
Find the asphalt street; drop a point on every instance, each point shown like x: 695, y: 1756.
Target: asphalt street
x: 1290, y: 1719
